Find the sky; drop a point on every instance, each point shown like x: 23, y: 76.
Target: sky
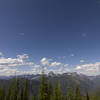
x: 61, y: 35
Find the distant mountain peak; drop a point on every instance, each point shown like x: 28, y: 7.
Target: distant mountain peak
x: 51, y: 73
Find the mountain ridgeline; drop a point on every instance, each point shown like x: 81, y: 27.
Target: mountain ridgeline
x: 67, y: 86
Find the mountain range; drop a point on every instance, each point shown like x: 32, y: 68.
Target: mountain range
x: 90, y: 83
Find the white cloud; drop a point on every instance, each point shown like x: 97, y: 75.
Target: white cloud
x: 24, y: 56
x: 66, y: 65
x: 13, y: 62
x: 8, y: 66
x: 82, y: 61
x: 89, y: 69
x: 62, y: 69
x: 45, y: 61
x: 1, y: 54
x: 53, y: 64
x: 56, y: 67
x: 48, y: 63
x: 36, y: 66
x: 21, y: 64
x: 72, y: 55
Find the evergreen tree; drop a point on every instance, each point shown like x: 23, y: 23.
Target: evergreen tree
x: 60, y: 95
x: 19, y: 96
x: 49, y: 91
x: 69, y: 94
x: 14, y: 91
x: 43, y: 90
x: 57, y: 94
x: 2, y: 92
x: 25, y: 91
x: 8, y: 94
x: 34, y: 98
x: 77, y: 95
x: 87, y: 96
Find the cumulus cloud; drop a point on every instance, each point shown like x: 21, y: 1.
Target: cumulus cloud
x: 13, y: 62
x: 56, y: 67
x: 8, y: 66
x: 21, y: 64
x: 49, y: 63
x: 89, y: 69
x: 45, y: 61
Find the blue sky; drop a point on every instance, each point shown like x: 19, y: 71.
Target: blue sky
x: 66, y: 31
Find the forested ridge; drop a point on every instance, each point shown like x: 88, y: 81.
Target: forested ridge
x: 18, y: 89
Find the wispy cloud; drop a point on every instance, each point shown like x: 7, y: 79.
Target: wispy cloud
x: 84, y: 34
x: 72, y: 55
x: 1, y: 54
x: 82, y: 61
x: 22, y: 34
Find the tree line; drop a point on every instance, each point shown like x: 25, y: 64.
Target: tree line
x: 19, y: 91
